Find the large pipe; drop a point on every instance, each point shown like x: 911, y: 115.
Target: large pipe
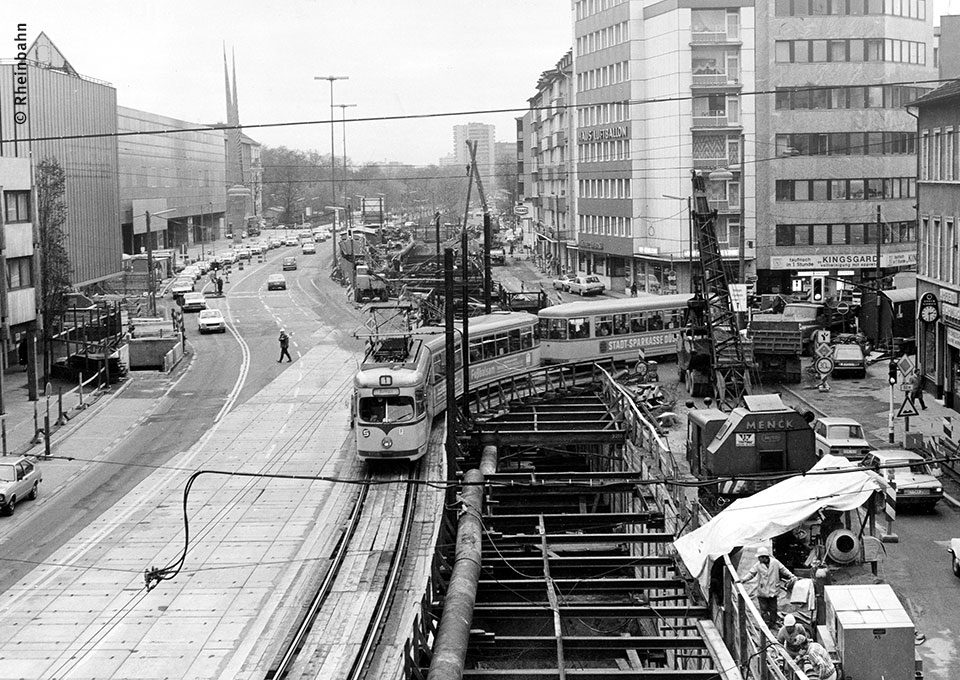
x: 453, y: 633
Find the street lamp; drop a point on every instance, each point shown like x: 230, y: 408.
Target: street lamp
x: 343, y: 122
x: 690, y: 230
x: 333, y: 151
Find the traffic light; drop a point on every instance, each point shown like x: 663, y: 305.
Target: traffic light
x: 818, y: 290
x: 892, y: 372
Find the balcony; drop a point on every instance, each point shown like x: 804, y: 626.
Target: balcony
x: 706, y: 163
x: 560, y: 138
x: 713, y: 119
x: 726, y: 37
x: 716, y: 79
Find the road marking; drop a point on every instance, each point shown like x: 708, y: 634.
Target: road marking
x: 244, y: 369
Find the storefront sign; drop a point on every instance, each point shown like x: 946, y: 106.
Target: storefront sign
x: 950, y: 315
x: 612, y: 132
x: 953, y: 337
x: 843, y: 260
x: 948, y: 296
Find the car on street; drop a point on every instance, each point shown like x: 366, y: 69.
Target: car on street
x: 191, y: 270
x: 586, y: 285
x: 916, y: 486
x: 193, y: 302
x: 182, y: 285
x: 308, y: 248
x: 276, y: 242
x: 276, y: 282
x: 244, y: 254
x: 211, y: 321
x: 289, y: 263
x: 954, y: 551
x: 228, y: 257
x: 291, y: 241
x: 19, y: 478
x: 840, y: 437
x: 848, y: 359
x: 562, y: 282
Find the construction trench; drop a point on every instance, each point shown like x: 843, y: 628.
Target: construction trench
x: 559, y: 560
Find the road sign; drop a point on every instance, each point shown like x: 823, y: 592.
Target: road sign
x: 842, y: 308
x: 821, y: 336
x: 738, y: 296
x: 907, y: 408
x: 824, y: 365
x: 905, y: 364
x: 823, y: 351
x: 520, y: 210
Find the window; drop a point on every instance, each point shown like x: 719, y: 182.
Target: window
x: 19, y: 272
x: 17, y: 206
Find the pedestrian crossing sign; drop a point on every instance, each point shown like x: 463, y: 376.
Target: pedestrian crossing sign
x: 907, y: 408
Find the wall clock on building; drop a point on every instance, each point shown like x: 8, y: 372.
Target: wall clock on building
x: 929, y: 312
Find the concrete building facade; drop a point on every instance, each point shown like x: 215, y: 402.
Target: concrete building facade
x: 485, y: 137
x: 178, y: 177
x: 52, y: 107
x: 17, y: 257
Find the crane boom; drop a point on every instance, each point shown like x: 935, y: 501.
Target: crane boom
x: 731, y: 373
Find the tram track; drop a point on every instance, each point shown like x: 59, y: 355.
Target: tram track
x: 361, y: 576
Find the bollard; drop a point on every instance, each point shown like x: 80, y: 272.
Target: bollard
x: 3, y: 433
x: 37, y: 432
x: 46, y: 422
x: 61, y: 416
x: 81, y: 405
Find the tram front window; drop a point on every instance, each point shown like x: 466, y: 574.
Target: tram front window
x: 386, y: 409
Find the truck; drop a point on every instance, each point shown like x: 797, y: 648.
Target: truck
x: 370, y: 285
x: 748, y: 447
x: 779, y: 340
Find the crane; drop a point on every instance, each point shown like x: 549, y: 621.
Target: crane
x: 727, y: 355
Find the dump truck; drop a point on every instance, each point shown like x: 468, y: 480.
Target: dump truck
x: 779, y: 340
x: 748, y: 447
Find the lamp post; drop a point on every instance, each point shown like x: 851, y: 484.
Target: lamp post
x: 343, y: 123
x: 151, y: 290
x: 333, y: 151
x: 689, y: 230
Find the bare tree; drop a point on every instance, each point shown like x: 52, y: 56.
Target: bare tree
x: 54, y: 260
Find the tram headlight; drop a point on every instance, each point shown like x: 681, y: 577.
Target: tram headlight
x: 386, y: 443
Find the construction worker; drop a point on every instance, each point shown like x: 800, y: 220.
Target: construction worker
x: 788, y: 634
x: 815, y: 660
x: 768, y: 572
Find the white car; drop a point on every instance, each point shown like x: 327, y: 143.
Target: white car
x: 211, y: 321
x: 194, y: 302
x: 276, y: 282
x: 586, y: 285
x: 308, y: 248
x: 181, y: 285
x: 840, y: 437
x: 228, y: 257
x: 916, y: 485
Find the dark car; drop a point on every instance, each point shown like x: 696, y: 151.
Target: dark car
x: 289, y: 263
x: 848, y: 359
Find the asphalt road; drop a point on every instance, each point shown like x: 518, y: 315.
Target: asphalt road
x: 218, y: 372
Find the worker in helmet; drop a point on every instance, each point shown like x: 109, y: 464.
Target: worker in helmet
x: 769, y: 572
x: 788, y: 634
x: 815, y: 660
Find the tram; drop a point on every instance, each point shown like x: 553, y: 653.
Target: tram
x: 401, y: 384
x: 618, y: 329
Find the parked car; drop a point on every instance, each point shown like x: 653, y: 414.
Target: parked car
x: 848, y: 359
x: 19, y: 478
x: 182, y: 285
x: 562, y: 282
x: 916, y: 486
x: 193, y: 302
x: 954, y: 551
x: 289, y: 263
x: 840, y: 437
x: 308, y: 248
x: 586, y: 285
x: 210, y: 321
x: 276, y: 282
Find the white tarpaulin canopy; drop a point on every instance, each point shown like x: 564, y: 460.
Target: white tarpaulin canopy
x: 834, y: 483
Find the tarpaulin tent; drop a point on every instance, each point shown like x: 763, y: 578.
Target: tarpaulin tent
x: 834, y: 483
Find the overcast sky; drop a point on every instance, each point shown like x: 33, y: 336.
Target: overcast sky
x: 403, y: 58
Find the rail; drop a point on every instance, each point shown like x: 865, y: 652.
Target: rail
x: 303, y: 641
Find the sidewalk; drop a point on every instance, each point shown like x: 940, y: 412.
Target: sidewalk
x: 523, y: 274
